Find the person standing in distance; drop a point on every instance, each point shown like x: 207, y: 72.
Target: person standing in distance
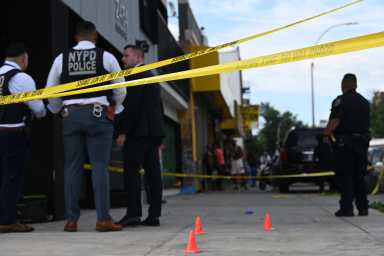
x: 349, y: 123
x: 140, y: 131
x: 14, y: 142
x: 87, y: 123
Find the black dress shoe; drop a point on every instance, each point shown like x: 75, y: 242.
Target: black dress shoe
x: 363, y: 212
x: 153, y: 222
x: 342, y: 213
x: 129, y: 221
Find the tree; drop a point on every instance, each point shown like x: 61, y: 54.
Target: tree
x: 377, y: 115
x: 274, y: 131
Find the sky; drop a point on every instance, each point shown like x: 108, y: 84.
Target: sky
x: 287, y: 86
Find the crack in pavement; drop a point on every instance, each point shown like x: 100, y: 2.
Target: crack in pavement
x: 170, y: 238
x: 346, y: 220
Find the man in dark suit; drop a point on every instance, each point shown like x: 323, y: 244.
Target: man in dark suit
x: 140, y: 131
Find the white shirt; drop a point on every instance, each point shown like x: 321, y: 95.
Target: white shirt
x: 22, y: 82
x: 264, y: 159
x: 110, y: 64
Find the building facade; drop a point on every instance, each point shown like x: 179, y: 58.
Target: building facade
x: 215, y: 100
x: 47, y: 31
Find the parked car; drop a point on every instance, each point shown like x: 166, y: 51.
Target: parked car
x: 375, y: 160
x: 297, y: 156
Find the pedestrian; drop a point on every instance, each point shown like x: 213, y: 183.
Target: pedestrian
x: 265, y: 158
x: 140, y: 131
x: 220, y: 166
x: 253, y: 162
x: 349, y: 123
x: 238, y: 168
x: 87, y: 123
x: 14, y: 140
x: 208, y: 166
x: 322, y: 158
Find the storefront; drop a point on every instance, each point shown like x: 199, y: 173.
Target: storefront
x: 47, y: 28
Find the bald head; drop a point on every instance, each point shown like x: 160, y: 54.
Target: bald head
x: 349, y: 83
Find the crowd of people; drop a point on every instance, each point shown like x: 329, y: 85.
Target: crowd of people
x: 231, y: 159
x: 90, y: 123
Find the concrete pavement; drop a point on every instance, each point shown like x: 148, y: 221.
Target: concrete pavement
x: 303, y: 225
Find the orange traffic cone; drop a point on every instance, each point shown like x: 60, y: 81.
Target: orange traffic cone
x: 267, y: 222
x: 199, y: 226
x: 191, y: 245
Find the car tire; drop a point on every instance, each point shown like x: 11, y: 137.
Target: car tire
x: 262, y: 186
x: 284, y: 188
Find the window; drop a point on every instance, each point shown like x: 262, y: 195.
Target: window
x: 148, y: 18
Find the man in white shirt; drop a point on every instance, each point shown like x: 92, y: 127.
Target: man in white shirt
x: 14, y: 144
x: 87, y: 123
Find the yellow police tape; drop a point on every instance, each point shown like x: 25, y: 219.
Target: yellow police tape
x: 269, y: 177
x: 227, y: 177
x: 379, y: 181
x: 327, y: 49
x: 43, y: 93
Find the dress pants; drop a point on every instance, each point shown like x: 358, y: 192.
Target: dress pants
x: 142, y: 153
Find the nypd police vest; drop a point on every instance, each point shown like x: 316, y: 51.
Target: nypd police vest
x: 11, y: 113
x: 83, y: 64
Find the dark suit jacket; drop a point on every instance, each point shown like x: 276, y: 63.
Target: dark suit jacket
x: 143, y: 110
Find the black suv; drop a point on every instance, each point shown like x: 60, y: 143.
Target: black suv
x: 304, y: 152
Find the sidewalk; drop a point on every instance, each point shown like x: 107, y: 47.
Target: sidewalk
x: 303, y: 225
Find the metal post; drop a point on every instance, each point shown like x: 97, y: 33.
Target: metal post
x: 313, y: 66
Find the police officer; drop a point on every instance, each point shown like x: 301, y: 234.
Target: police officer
x: 349, y: 122
x: 87, y: 123
x: 141, y: 130
x: 14, y: 144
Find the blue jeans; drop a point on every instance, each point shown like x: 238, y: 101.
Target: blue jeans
x: 253, y: 174
x: 84, y: 133
x: 14, y: 148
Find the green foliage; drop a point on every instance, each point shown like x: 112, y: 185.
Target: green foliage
x: 377, y: 206
x: 377, y: 115
x: 274, y: 131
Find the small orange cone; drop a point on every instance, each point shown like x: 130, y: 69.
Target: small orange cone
x: 199, y: 227
x: 267, y: 222
x: 191, y: 245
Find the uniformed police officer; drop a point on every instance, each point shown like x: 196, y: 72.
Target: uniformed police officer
x: 14, y: 145
x: 349, y: 122
x: 87, y: 123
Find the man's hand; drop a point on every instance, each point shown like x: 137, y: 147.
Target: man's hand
x: 111, y: 113
x: 331, y: 126
x: 121, y: 140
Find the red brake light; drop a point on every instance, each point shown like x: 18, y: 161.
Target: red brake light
x: 284, y: 155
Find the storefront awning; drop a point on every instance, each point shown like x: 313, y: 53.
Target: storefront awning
x: 205, y: 83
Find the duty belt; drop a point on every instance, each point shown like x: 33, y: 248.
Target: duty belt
x: 96, y: 111
x: 12, y: 129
